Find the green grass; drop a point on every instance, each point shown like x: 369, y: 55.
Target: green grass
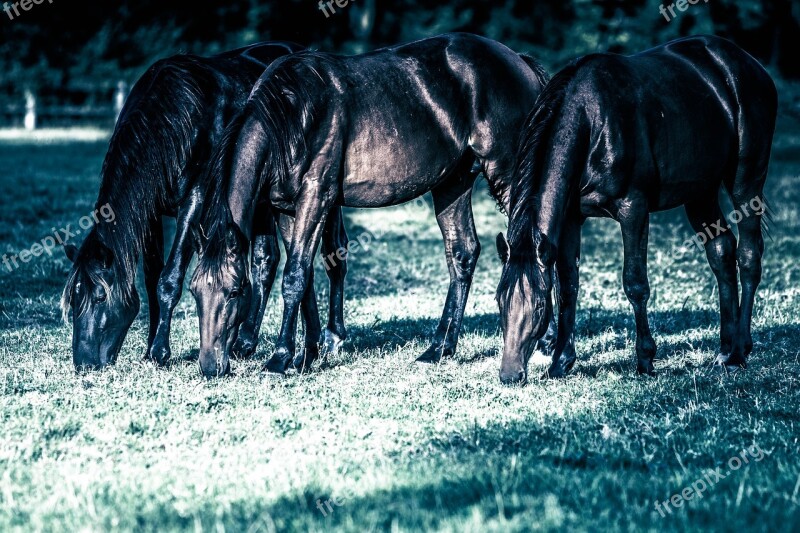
x: 444, y: 447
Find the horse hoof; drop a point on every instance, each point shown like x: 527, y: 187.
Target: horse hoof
x: 331, y: 342
x: 729, y: 363
x: 303, y: 361
x: 159, y: 354
x: 725, y: 370
x: 435, y: 353
x: 554, y: 372
x: 732, y: 359
x: 243, y: 349
x: 430, y: 357
x: 277, y: 365
x: 558, y: 371
x: 644, y: 367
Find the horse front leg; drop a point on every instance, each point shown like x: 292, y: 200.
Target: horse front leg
x: 312, y: 328
x: 308, y: 307
x: 265, y: 257
x: 635, y: 223
x: 312, y: 209
x: 567, y: 264
x: 452, y: 203
x: 153, y: 265
x: 170, y: 283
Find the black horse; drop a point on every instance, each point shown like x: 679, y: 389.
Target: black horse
x: 371, y: 130
x: 166, y: 133
x: 621, y: 137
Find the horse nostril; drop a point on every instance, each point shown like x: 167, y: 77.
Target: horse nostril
x: 213, y: 367
x: 208, y: 366
x: 513, y: 377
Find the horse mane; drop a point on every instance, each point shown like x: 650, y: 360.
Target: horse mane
x: 497, y: 189
x: 538, y: 69
x: 523, y: 238
x: 281, y: 103
x: 149, y: 149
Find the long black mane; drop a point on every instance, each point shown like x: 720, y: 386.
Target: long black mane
x: 151, y: 146
x: 522, y: 235
x: 282, y: 103
x: 497, y: 188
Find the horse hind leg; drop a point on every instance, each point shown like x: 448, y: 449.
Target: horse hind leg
x: 756, y: 126
x: 452, y: 203
x: 705, y: 214
x: 750, y: 207
x: 335, y: 255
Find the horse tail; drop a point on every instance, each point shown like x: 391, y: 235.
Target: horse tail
x: 538, y: 70
x: 768, y: 218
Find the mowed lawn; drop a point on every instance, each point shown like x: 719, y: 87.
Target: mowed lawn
x: 393, y: 445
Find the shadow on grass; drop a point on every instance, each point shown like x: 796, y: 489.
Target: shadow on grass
x: 591, y: 325
x: 516, y: 468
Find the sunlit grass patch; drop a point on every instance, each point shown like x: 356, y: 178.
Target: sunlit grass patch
x: 53, y: 135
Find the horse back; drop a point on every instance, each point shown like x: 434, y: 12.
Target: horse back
x: 411, y: 113
x: 675, y: 120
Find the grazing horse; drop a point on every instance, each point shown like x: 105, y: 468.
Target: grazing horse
x: 621, y: 137
x: 370, y: 130
x: 157, y: 155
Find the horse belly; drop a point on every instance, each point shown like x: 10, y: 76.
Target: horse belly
x: 692, y: 176
x: 384, y: 170
x: 693, y: 158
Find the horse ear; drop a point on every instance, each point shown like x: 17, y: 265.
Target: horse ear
x: 105, y: 256
x: 72, y: 252
x: 503, y: 250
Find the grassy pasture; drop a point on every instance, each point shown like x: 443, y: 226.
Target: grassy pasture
x: 397, y: 446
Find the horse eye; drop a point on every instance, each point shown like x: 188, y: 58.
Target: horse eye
x: 235, y: 293
x: 99, y: 299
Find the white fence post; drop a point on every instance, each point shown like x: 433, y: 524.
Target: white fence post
x: 362, y: 19
x: 119, y: 98
x: 30, y: 111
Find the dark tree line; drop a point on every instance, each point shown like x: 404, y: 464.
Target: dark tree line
x: 72, y: 50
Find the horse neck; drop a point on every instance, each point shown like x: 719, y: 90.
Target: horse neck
x: 243, y: 192
x: 245, y: 186
x: 559, y: 181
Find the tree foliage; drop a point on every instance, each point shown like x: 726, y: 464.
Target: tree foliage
x: 63, y: 50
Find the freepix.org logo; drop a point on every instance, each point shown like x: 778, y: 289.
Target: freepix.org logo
x: 12, y: 9
x: 59, y: 237
x: 681, y: 5
x: 328, y: 9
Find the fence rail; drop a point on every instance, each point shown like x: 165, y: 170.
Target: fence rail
x: 30, y: 115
